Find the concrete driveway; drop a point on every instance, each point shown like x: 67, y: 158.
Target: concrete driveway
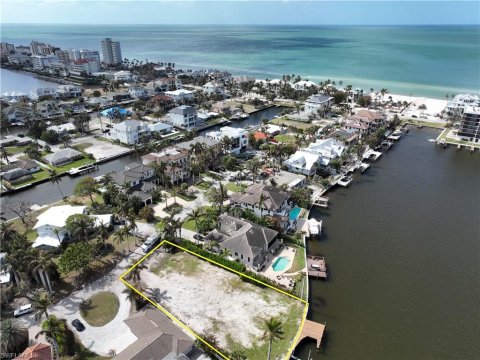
x: 115, y: 335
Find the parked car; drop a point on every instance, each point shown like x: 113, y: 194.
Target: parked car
x: 198, y: 237
x: 23, y: 310
x: 77, y: 324
x: 150, y: 243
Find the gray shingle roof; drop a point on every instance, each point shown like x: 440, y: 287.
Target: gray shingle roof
x: 274, y: 197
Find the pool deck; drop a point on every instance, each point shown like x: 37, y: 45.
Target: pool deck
x: 277, y: 276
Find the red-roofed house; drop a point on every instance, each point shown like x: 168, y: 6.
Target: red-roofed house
x: 37, y: 352
x: 260, y: 135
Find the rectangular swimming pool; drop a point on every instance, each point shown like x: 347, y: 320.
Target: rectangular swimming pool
x: 294, y: 213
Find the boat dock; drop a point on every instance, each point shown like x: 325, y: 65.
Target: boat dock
x: 314, y: 226
x: 82, y: 169
x: 371, y: 155
x: 364, y: 166
x: 312, y: 330
x: 317, y: 267
x: 345, y: 181
x: 318, y: 199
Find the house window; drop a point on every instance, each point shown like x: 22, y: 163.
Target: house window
x: 248, y: 259
x: 241, y: 256
x: 236, y: 254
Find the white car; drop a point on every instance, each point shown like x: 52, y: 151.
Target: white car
x: 23, y: 310
x: 150, y: 243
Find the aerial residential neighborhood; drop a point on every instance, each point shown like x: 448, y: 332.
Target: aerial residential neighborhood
x: 156, y: 210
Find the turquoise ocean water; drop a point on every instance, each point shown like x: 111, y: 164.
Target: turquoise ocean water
x: 422, y: 61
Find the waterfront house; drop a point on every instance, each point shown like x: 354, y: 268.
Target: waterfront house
x: 469, y: 129
x: 211, y: 144
x: 238, y: 136
x: 184, y: 117
x: 318, y: 104
x: 19, y: 170
x: 63, y: 156
x: 177, y: 161
x: 16, y: 113
x: 164, y: 84
x: 302, y: 162
x: 161, y: 102
x: 134, y: 174
x: 290, y: 180
x: 158, y: 337
x: 356, y: 127
x: 69, y: 91
x: 50, y: 225
x: 461, y: 102
x: 372, y: 119
x: 275, y: 202
x: 132, y: 132
x: 246, y: 241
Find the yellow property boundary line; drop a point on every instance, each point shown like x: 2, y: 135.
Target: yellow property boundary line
x: 185, y: 327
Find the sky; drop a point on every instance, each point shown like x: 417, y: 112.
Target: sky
x: 282, y: 12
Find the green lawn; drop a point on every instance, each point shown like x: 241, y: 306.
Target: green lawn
x: 81, y: 147
x: 204, y: 185
x: 234, y: 187
x: 285, y: 138
x: 100, y: 309
x: 187, y: 197
x: 64, y: 168
x: 298, y: 261
x: 43, y: 174
x: 15, y: 149
x: 292, y: 123
x: 416, y: 122
x: 189, y: 224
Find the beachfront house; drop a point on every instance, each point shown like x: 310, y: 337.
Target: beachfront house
x: 50, y: 225
x: 238, y: 137
x: 469, y: 129
x: 304, y: 85
x: 184, y: 117
x: 164, y: 84
x: 63, y: 156
x: 318, y: 104
x: 460, y: 102
x: 246, y: 242
x: 365, y: 122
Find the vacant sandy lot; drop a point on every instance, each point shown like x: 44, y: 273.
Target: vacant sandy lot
x: 212, y: 300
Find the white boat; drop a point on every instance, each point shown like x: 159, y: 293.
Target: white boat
x: 432, y: 140
x: 82, y: 169
x: 364, y: 166
x: 345, y: 181
x: 314, y: 227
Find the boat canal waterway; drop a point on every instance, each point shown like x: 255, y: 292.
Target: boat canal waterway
x: 403, y: 250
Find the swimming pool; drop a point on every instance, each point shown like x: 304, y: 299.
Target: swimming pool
x: 294, y: 213
x: 280, y: 264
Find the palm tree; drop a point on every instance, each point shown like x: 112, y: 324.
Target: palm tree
x: 226, y: 142
x: 40, y: 303
x: 102, y: 232
x: 273, y: 331
x: 195, y: 215
x: 5, y: 155
x: 261, y: 202
x: 6, y: 232
x: 222, y: 195
x: 14, y: 337
x: 43, y: 264
x: 50, y: 328
x: 253, y: 165
x: 225, y: 253
x: 55, y: 179
x: 238, y: 354
x: 134, y: 274
x: 134, y: 297
x: 120, y: 236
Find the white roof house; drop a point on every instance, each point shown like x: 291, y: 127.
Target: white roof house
x: 50, y: 225
x: 181, y: 94
x: 239, y: 137
x: 302, y: 162
x: 303, y: 85
x: 62, y: 128
x: 327, y: 149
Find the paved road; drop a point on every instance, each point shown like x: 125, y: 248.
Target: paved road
x: 116, y: 335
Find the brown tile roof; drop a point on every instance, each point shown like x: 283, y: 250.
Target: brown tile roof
x: 370, y: 115
x: 36, y: 352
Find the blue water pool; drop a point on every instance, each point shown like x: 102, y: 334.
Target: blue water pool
x: 280, y: 264
x: 294, y: 213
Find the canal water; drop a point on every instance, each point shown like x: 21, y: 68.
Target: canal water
x: 19, y: 82
x: 48, y: 193
x: 403, y: 249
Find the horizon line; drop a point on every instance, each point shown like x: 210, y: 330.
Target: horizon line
x: 191, y: 24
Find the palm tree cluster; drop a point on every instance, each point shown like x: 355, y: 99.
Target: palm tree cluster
x: 28, y: 265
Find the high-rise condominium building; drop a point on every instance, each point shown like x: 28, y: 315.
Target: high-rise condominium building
x: 111, y: 53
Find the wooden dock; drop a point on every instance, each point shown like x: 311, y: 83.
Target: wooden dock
x: 317, y: 267
x: 312, y: 330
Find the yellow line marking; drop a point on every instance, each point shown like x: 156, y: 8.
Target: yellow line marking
x: 185, y: 327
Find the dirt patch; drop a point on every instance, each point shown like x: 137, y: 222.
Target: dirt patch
x: 210, y: 299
